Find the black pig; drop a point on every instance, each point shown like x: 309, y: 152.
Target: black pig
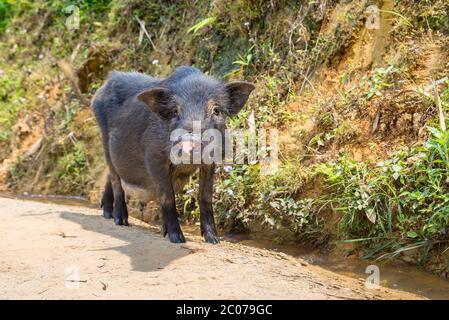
x: 136, y: 114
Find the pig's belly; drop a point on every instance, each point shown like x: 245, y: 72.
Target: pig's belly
x: 141, y: 194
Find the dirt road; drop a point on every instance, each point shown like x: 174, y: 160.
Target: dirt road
x: 62, y: 252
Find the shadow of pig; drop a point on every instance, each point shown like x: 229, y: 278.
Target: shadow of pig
x: 147, y: 250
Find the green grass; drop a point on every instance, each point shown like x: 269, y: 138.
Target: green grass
x: 71, y: 167
x: 200, y: 25
x: 13, y: 98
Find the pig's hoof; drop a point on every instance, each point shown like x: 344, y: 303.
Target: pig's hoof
x: 107, y: 214
x: 118, y: 221
x: 125, y: 222
x: 176, y: 237
x: 211, y: 237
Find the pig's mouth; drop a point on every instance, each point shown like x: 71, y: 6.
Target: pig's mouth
x: 188, y: 144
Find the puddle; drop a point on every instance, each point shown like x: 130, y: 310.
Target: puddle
x: 394, y: 275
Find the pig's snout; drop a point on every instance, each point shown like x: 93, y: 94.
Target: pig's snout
x: 190, y: 143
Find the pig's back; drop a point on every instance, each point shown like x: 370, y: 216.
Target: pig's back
x: 121, y: 86
x: 109, y: 104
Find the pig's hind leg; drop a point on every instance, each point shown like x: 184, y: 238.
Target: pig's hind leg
x: 107, y: 200
x: 114, y: 196
x: 120, y: 212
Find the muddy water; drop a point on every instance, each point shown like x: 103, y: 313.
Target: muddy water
x: 397, y: 276
x: 393, y: 275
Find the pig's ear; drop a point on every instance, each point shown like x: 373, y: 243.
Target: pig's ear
x: 159, y: 100
x: 239, y: 92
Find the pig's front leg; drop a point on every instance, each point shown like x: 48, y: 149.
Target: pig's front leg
x: 171, y: 225
x: 208, y: 229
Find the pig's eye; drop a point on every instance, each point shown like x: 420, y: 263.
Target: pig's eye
x: 175, y: 113
x: 217, y: 111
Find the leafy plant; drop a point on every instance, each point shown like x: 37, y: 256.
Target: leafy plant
x: 71, y: 167
x: 245, y: 61
x: 379, y: 80
x: 406, y: 194
x: 233, y: 196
